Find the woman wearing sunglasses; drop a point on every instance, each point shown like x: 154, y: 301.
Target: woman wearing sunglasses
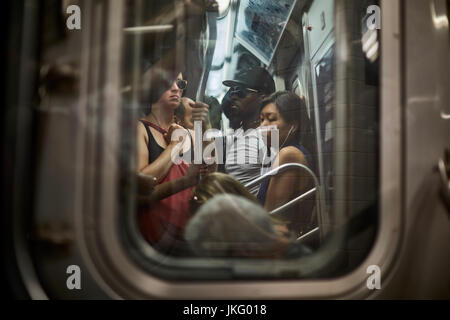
x: 163, y: 219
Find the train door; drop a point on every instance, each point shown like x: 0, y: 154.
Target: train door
x: 426, y: 137
x: 73, y: 108
x: 91, y: 187
x: 318, y: 34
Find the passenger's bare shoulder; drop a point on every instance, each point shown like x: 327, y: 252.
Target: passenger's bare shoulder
x: 141, y: 132
x: 291, y: 155
x: 140, y: 126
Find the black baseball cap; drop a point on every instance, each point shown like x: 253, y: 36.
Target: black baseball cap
x: 255, y: 78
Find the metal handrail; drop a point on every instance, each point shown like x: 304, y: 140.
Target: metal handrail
x: 293, y: 201
x: 308, y: 234
x: 286, y: 206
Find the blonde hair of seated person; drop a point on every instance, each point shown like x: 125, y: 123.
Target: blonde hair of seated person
x: 220, y: 183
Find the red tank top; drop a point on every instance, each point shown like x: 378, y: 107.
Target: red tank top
x: 163, y: 223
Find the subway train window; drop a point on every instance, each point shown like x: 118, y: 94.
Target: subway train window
x: 164, y: 147
x: 206, y: 140
x: 276, y: 161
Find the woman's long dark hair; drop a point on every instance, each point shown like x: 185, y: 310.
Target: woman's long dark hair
x: 293, y: 111
x: 156, y: 79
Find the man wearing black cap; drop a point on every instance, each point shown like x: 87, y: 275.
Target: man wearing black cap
x: 244, y: 148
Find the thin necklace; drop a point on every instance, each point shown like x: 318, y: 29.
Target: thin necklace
x: 157, y: 121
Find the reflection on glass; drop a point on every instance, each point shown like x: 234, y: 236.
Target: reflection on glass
x: 260, y: 24
x: 208, y: 206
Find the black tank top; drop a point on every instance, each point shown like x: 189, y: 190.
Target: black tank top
x: 154, y: 149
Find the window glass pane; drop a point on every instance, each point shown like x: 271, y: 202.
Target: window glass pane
x: 276, y: 104
x: 305, y: 103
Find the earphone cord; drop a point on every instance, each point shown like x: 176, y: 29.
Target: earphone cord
x: 290, y: 131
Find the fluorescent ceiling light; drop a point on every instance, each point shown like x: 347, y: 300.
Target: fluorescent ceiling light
x: 150, y: 29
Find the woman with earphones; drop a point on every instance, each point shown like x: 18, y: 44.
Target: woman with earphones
x: 287, y: 112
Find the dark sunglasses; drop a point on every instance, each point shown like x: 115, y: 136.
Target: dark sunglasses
x: 242, y: 92
x: 181, y: 84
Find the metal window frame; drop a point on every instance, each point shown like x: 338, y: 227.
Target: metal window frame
x: 112, y: 265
